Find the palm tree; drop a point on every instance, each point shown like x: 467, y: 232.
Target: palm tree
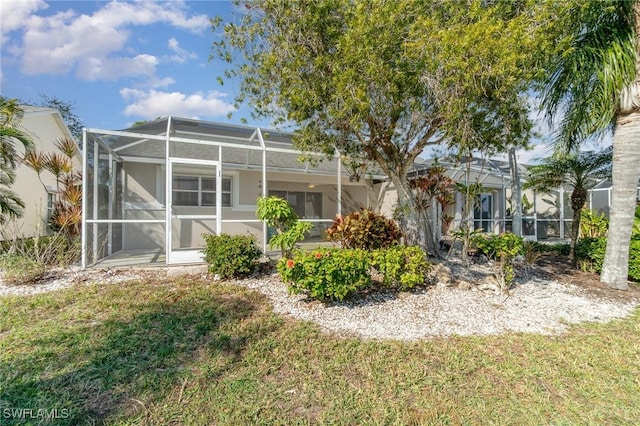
x: 10, y: 116
x: 582, y: 171
x: 595, y: 87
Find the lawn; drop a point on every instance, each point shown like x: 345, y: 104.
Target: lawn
x: 186, y: 351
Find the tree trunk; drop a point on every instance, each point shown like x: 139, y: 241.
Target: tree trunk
x: 578, y: 200
x: 575, y: 232
x: 516, y: 194
x: 411, y: 220
x: 625, y: 175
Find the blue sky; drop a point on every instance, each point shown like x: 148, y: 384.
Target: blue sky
x: 117, y: 62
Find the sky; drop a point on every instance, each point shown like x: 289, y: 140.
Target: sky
x: 118, y: 62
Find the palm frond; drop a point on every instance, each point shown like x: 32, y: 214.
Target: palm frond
x: 587, y: 81
x: 37, y: 160
x: 67, y: 146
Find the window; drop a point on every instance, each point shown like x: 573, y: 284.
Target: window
x: 200, y: 191
x: 483, y: 213
x: 51, y: 203
x: 305, y: 204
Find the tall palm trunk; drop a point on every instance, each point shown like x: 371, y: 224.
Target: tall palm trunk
x: 578, y: 201
x: 625, y: 175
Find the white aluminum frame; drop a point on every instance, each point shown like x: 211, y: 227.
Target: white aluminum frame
x: 168, y: 138
x: 195, y: 255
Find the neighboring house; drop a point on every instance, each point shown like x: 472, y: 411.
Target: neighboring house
x: 544, y: 215
x: 44, y: 126
x: 600, y: 197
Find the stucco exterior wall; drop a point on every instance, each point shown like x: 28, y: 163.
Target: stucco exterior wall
x: 44, y: 126
x: 144, y: 187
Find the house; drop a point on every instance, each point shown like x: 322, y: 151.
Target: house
x: 44, y: 126
x: 151, y: 191
x: 600, y: 197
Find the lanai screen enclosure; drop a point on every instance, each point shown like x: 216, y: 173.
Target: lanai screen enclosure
x: 156, y: 188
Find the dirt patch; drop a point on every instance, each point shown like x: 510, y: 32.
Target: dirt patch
x: 559, y: 268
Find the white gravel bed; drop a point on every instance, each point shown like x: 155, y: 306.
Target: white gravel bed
x: 532, y: 306
x: 544, y: 307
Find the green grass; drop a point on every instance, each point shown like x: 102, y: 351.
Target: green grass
x: 191, y: 352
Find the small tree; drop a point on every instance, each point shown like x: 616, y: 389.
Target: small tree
x: 434, y: 192
x: 67, y: 210
x: 580, y: 170
x: 279, y: 214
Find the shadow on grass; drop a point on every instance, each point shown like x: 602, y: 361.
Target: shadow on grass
x: 83, y: 371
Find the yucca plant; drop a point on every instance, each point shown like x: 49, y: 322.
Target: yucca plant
x: 67, y: 146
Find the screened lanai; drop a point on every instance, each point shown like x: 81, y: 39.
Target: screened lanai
x: 150, y: 192
x: 544, y: 215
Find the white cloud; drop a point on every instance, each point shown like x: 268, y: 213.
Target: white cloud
x: 153, y: 103
x: 181, y: 55
x: 115, y: 68
x: 13, y: 13
x: 95, y: 45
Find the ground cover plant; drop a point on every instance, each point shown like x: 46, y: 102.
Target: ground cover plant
x: 188, y: 351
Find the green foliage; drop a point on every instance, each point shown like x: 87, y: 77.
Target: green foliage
x: 335, y: 273
x: 11, y: 136
x: 364, y: 229
x: 594, y: 64
x: 531, y: 253
x: 590, y: 255
x: 279, y: 214
x: 401, y: 266
x: 634, y: 259
x: 20, y: 269
x: 593, y: 225
x: 327, y: 274
x: 503, y: 249
x: 555, y: 248
x: 287, y: 240
x: 354, y: 76
x: 230, y: 255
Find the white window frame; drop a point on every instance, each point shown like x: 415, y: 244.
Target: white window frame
x: 201, y: 191
x: 52, y: 197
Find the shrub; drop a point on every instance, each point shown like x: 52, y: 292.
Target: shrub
x: 401, y: 266
x: 364, y: 229
x: 287, y: 240
x: 590, y: 254
x: 502, y: 248
x: 326, y: 273
x: 231, y: 255
x: 19, y: 269
x: 593, y: 225
x: 279, y: 214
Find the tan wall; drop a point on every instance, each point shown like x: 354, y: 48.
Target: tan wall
x: 144, y: 189
x: 44, y: 128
